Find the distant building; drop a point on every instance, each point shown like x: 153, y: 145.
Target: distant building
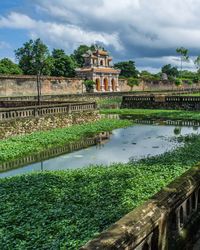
x: 98, y: 67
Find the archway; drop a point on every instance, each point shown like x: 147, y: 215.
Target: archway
x: 105, y: 84
x: 113, y: 85
x: 98, y: 85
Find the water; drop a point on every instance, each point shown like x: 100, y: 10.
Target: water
x: 135, y: 142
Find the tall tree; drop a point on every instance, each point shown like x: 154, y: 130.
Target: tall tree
x: 183, y: 52
x: 170, y: 71
x: 127, y: 68
x: 62, y: 64
x: 197, y: 63
x: 9, y: 68
x: 78, y: 53
x: 34, y: 59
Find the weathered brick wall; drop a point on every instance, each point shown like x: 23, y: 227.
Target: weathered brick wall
x: 26, y: 85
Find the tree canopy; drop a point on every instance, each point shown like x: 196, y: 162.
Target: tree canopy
x: 9, y: 68
x: 34, y: 58
x: 170, y: 70
x: 62, y: 64
x: 78, y: 53
x: 127, y: 68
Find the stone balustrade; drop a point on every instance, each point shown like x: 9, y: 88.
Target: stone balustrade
x: 53, y: 109
x: 162, y: 102
x: 169, y: 220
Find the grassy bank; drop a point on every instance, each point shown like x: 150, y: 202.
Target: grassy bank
x: 156, y: 113
x: 63, y: 210
x: 19, y: 146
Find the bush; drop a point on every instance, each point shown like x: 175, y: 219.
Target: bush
x: 89, y: 85
x: 178, y: 82
x: 189, y: 82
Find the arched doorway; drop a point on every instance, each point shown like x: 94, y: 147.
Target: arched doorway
x: 98, y: 85
x: 113, y: 85
x: 105, y: 84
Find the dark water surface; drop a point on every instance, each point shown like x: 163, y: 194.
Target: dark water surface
x: 134, y: 142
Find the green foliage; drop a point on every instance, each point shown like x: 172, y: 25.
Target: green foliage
x: 170, y: 71
x: 178, y: 82
x: 133, y: 82
x: 156, y: 114
x: 89, y: 85
x: 17, y: 147
x: 34, y: 58
x: 184, y: 56
x: 7, y: 67
x: 197, y: 62
x: 62, y: 64
x: 65, y: 209
x: 189, y: 82
x: 78, y: 53
x: 128, y: 69
x: 147, y: 76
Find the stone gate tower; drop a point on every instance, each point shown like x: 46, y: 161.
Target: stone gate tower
x: 98, y: 67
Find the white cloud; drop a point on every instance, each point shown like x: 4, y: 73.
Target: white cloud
x: 136, y: 28
x: 58, y: 34
x: 17, y: 20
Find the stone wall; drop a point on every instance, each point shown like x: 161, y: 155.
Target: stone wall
x: 25, y: 126
x: 26, y: 86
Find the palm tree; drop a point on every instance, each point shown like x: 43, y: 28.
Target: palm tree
x: 197, y: 63
x: 184, y: 56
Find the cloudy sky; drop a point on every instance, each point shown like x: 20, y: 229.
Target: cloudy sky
x: 146, y: 31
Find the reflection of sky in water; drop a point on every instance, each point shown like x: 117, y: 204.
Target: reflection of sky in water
x: 135, y: 142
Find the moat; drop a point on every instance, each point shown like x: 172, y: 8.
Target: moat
x: 123, y: 145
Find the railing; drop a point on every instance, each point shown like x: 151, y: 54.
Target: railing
x: 182, y: 98
x: 43, y: 110
x: 162, y: 101
x: 167, y: 221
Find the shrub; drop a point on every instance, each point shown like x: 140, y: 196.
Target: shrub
x: 89, y: 85
x: 178, y: 82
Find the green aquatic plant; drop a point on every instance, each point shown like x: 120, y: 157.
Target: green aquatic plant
x: 19, y: 146
x: 65, y: 209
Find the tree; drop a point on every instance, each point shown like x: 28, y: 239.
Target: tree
x: 127, y: 68
x: 9, y: 68
x: 170, y: 71
x: 79, y: 52
x: 62, y: 64
x: 197, y: 63
x: 184, y: 56
x: 34, y: 59
x: 133, y: 82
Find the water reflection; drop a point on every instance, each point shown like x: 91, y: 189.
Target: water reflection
x: 135, y: 142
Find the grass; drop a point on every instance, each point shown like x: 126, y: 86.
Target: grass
x: 109, y: 103
x: 65, y: 209
x: 20, y: 146
x: 156, y: 113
